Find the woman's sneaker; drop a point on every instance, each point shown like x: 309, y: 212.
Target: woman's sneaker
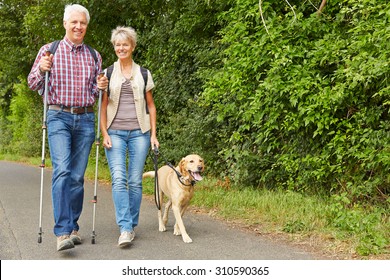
x: 125, y: 238
x: 64, y: 242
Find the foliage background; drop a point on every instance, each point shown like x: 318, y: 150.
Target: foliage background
x: 303, y: 107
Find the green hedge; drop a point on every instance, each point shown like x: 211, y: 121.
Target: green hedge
x: 305, y: 107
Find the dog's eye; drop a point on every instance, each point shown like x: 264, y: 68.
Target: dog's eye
x: 191, y: 161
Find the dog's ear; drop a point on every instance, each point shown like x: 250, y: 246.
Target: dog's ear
x: 182, y: 167
x: 202, y: 163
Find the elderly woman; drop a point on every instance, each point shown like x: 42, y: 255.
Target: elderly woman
x: 128, y: 125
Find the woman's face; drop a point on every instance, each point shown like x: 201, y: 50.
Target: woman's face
x: 123, y: 49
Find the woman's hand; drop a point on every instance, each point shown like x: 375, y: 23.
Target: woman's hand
x: 154, y: 141
x: 107, y: 142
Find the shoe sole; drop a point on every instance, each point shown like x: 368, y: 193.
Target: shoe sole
x: 76, y: 240
x: 125, y: 243
x: 66, y: 246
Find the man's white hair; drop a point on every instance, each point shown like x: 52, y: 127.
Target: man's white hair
x: 75, y: 8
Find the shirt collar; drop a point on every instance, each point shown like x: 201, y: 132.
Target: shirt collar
x: 72, y: 47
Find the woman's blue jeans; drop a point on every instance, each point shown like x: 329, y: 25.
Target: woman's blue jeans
x: 70, y: 141
x: 126, y: 159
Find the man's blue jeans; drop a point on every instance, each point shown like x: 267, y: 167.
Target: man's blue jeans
x: 129, y: 148
x: 70, y: 141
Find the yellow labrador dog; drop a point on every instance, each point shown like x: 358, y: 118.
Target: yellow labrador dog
x: 177, y: 183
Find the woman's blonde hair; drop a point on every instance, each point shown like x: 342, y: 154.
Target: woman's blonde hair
x: 124, y: 33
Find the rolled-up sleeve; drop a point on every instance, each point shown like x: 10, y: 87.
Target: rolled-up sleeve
x: 36, y: 78
x: 98, y: 69
x: 150, y: 84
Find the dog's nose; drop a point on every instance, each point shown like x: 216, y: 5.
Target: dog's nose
x: 200, y: 168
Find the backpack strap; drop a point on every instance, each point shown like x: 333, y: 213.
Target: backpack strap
x: 144, y: 73
x: 109, y: 71
x: 54, y: 46
x: 108, y: 75
x: 52, y: 50
x: 93, y: 53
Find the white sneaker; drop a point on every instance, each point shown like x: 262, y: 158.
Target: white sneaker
x: 64, y: 242
x: 75, y: 237
x: 125, y: 238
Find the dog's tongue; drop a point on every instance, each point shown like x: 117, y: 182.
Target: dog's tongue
x: 196, y: 176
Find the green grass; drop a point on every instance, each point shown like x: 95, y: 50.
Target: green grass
x: 323, y: 224
x: 320, y: 223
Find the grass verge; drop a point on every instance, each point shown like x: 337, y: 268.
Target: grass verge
x: 323, y: 225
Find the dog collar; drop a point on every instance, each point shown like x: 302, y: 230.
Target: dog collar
x: 180, y: 177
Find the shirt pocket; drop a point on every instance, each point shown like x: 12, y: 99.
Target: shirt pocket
x: 89, y: 73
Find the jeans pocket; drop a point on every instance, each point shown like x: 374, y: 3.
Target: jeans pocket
x: 112, y: 131
x: 51, y: 114
x: 90, y: 117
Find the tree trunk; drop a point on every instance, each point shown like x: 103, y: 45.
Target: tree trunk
x: 322, y: 6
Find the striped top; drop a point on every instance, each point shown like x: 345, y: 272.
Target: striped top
x: 126, y: 117
x: 72, y: 77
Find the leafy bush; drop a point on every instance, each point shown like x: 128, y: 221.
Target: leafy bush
x: 305, y: 106
x: 25, y: 122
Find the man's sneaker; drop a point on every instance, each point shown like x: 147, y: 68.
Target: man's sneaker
x: 75, y: 237
x: 64, y: 242
x: 125, y: 238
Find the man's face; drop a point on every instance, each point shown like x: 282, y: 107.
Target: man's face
x: 76, y: 27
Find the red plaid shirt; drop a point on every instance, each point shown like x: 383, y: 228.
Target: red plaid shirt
x: 73, y: 75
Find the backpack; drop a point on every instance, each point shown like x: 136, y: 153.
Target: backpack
x: 144, y: 73
x: 55, y: 44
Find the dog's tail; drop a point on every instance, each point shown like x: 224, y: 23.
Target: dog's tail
x: 149, y: 174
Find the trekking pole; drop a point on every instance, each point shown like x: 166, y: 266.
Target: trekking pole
x: 42, y: 165
x: 97, y: 141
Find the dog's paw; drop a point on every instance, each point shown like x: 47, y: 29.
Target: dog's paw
x: 162, y: 228
x: 187, y: 239
x: 176, y: 230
